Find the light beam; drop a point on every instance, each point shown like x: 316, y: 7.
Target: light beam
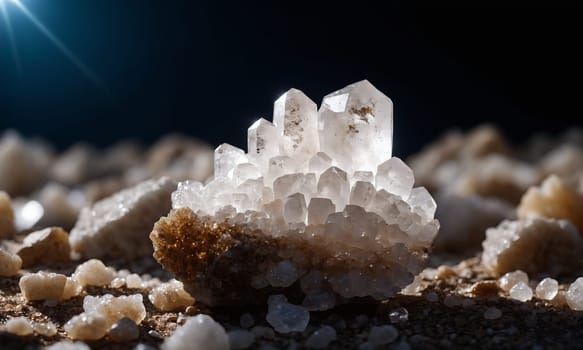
x: 10, y: 34
x: 64, y: 49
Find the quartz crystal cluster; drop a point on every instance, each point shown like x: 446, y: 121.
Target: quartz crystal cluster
x: 317, y: 201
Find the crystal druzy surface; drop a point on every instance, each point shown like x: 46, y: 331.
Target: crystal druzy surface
x: 317, y: 201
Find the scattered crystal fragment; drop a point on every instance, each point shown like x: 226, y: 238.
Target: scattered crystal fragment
x: 19, y: 325
x: 520, y: 291
x: 170, y: 296
x: 400, y: 315
x: 321, y: 338
x: 42, y: 286
x: 86, y: 327
x: 46, y: 329
x: 67, y: 345
x: 510, y: 279
x: 201, y: 330
x: 94, y: 273
x: 574, y: 295
x: 547, y: 289
x: 112, y: 309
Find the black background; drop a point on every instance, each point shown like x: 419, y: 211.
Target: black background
x: 210, y: 68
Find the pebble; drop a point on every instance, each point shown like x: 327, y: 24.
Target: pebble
x: 124, y: 330
x: 321, y: 338
x: 241, y: 339
x: 382, y: 335
x: 492, y: 313
x: 10, y: 264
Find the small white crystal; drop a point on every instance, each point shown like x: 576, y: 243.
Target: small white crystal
x: 94, y: 273
x: 510, y: 279
x: 72, y: 288
x: 547, y: 289
x: 520, y: 291
x: 395, y: 177
x: 320, y: 162
x: 574, y: 295
x: 362, y: 194
x: 86, y: 327
x: 382, y: 335
x: 170, y: 296
x: 321, y: 338
x: 240, y: 339
x: 400, y: 315
x: 19, y: 325
x: 285, y: 317
x: 334, y: 184
x: 9, y: 264
x: 198, y: 333
x: 422, y: 203
x: 227, y: 157
x: 492, y: 313
x: 42, y: 286
x: 262, y: 142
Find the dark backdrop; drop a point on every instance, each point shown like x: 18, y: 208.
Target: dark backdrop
x: 209, y: 68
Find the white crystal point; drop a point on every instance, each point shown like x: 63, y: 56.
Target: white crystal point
x: 356, y: 126
x: 262, y: 143
x: 334, y: 184
x: 395, y: 177
x: 362, y: 194
x: 320, y: 162
x: 422, y: 203
x: 227, y: 157
x: 296, y: 119
x: 295, y: 210
x: 547, y: 289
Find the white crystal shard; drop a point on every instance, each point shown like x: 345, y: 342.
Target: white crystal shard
x: 328, y: 177
x: 357, y: 120
x: 510, y: 279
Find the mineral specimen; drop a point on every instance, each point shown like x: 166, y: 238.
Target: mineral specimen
x: 19, y: 326
x: 93, y: 273
x: 316, y: 196
x: 118, y: 226
x: 547, y: 289
x: 534, y: 245
x: 170, y: 296
x: 198, y: 333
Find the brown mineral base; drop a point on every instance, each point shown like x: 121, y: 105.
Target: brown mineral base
x: 445, y: 315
